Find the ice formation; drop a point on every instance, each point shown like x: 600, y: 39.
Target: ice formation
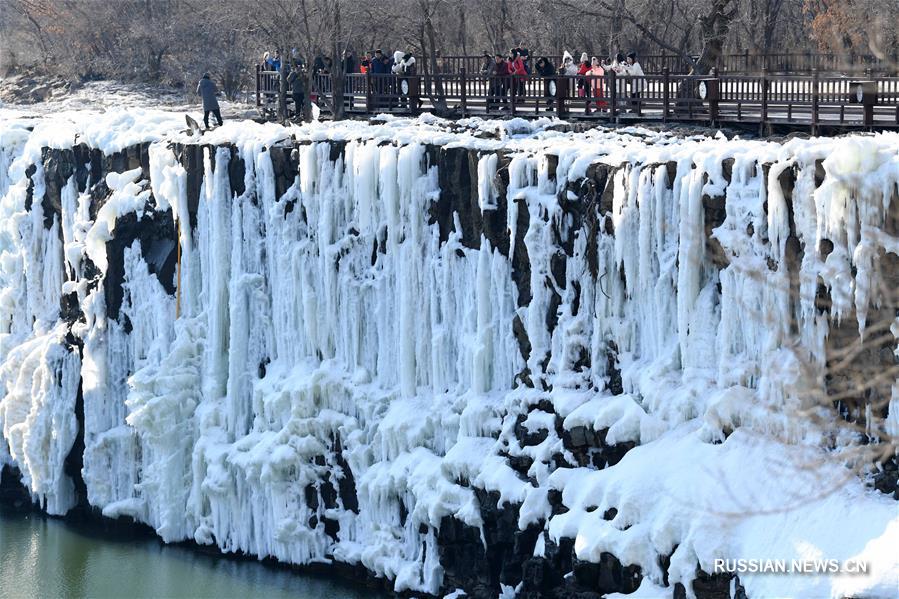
x: 338, y: 342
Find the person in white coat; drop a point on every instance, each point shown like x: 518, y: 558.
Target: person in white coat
x: 403, y: 68
x: 403, y: 64
x: 619, y: 67
x: 635, y: 72
x: 568, y: 67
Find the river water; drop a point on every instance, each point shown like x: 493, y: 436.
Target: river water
x: 47, y: 558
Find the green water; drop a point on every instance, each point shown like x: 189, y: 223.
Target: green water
x: 47, y: 558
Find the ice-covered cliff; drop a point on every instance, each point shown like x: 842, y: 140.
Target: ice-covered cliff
x: 498, y: 357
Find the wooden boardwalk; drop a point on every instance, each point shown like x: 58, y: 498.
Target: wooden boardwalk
x: 796, y: 101
x: 735, y: 63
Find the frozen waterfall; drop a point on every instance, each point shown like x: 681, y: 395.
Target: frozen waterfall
x: 396, y: 344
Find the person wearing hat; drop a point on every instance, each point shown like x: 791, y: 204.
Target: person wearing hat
x: 206, y: 90
x: 582, y: 69
x: 568, y: 67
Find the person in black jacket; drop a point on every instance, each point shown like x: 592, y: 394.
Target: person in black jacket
x: 350, y: 65
x: 546, y: 70
x: 499, y: 82
x: 296, y: 79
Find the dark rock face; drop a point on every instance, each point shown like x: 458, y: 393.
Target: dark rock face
x: 13, y: 493
x: 154, y: 230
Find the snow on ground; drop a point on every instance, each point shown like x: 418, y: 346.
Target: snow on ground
x: 335, y: 314
x: 102, y: 96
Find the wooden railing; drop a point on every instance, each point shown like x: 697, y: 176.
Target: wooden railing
x: 743, y: 62
x: 812, y: 101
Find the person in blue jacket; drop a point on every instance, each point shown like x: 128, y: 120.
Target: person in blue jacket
x: 378, y: 64
x: 206, y: 90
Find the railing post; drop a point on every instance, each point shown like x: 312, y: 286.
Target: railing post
x: 764, y: 114
x: 368, y: 92
x: 414, y: 86
x: 613, y: 96
x: 258, y: 84
x: 562, y: 84
x: 713, y: 97
x: 512, y: 91
x: 870, y: 99
x: 666, y: 93
x: 463, y: 92
x: 815, y: 100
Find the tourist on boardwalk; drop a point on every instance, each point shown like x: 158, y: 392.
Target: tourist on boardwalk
x: 206, y: 90
x: 404, y: 68
x: 350, y: 65
x: 403, y: 63
x: 594, y: 85
x: 525, y: 55
x: 498, y: 81
x: 487, y: 67
x: 297, y: 81
x: 519, y: 73
x: 635, y: 72
x: 567, y: 67
x: 378, y: 67
x: 546, y: 70
x: 582, y: 69
x: 619, y: 67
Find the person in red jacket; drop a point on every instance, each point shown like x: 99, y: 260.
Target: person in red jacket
x: 582, y: 69
x: 518, y: 71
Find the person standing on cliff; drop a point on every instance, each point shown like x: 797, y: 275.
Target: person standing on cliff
x: 206, y: 90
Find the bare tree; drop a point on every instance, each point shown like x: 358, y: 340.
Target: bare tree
x: 171, y: 42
